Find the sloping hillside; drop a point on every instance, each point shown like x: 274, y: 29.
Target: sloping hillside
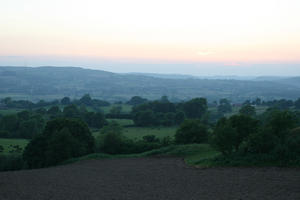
x: 56, y: 82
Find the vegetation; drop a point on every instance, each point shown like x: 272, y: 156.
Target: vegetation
x: 111, y: 140
x: 208, y: 134
x: 191, y: 131
x: 61, y: 139
x: 269, y: 141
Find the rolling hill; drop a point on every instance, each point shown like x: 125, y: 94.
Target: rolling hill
x: 57, y: 82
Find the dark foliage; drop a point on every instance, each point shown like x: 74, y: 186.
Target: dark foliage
x: 274, y: 138
x: 61, y: 139
x: 191, y: 131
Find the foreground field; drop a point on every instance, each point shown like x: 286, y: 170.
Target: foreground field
x: 149, y: 178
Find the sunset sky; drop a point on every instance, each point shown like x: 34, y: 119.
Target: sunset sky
x: 201, y: 37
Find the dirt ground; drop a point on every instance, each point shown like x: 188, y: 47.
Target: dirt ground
x: 149, y: 178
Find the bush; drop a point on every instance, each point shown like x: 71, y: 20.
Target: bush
x: 293, y: 143
x: 191, y: 131
x: 4, y: 134
x: 262, y: 142
x: 11, y: 162
x: 224, y: 137
x: 62, y: 139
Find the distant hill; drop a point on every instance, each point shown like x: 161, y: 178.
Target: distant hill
x: 57, y: 82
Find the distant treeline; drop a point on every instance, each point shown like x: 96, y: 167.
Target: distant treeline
x: 31, y: 121
x: 86, y: 100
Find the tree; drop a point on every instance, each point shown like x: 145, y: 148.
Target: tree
x: 23, y: 115
x: 281, y: 122
x: 179, y: 117
x: 9, y: 123
x: 111, y: 139
x: 41, y: 111
x: 61, y: 139
x: 144, y: 118
x: 65, y: 101
x: 223, y: 138
x: 248, y: 110
x: 96, y: 120
x: 195, y: 108
x: 297, y: 103
x: 28, y: 129
x: 136, y: 100
x: 54, y: 110
x: 191, y: 131
x: 257, y: 101
x: 169, y: 119
x: 71, y: 111
x: 35, y: 152
x: 86, y: 100
x: 244, y: 126
x: 262, y: 142
x: 164, y: 99
x: 224, y: 106
x: 61, y: 146
x: 293, y: 143
x: 116, y: 110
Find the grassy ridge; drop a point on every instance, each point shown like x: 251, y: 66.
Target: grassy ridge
x: 199, y: 154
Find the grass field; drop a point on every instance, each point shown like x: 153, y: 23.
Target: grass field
x: 9, y: 111
x: 260, y: 109
x: 235, y: 110
x: 5, y: 143
x: 138, y: 133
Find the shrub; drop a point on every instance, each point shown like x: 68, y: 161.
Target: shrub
x: 191, y: 131
x: 224, y: 137
x: 62, y: 139
x: 11, y: 162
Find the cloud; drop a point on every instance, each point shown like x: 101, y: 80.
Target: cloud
x: 204, y: 53
x: 232, y: 64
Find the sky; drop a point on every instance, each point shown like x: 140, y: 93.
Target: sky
x: 199, y: 37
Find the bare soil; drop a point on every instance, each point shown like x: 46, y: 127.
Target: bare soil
x: 149, y: 178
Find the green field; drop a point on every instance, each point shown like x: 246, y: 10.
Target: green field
x: 260, y: 109
x: 125, y: 108
x: 235, y: 110
x: 6, y: 144
x: 137, y: 133
x: 9, y: 111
